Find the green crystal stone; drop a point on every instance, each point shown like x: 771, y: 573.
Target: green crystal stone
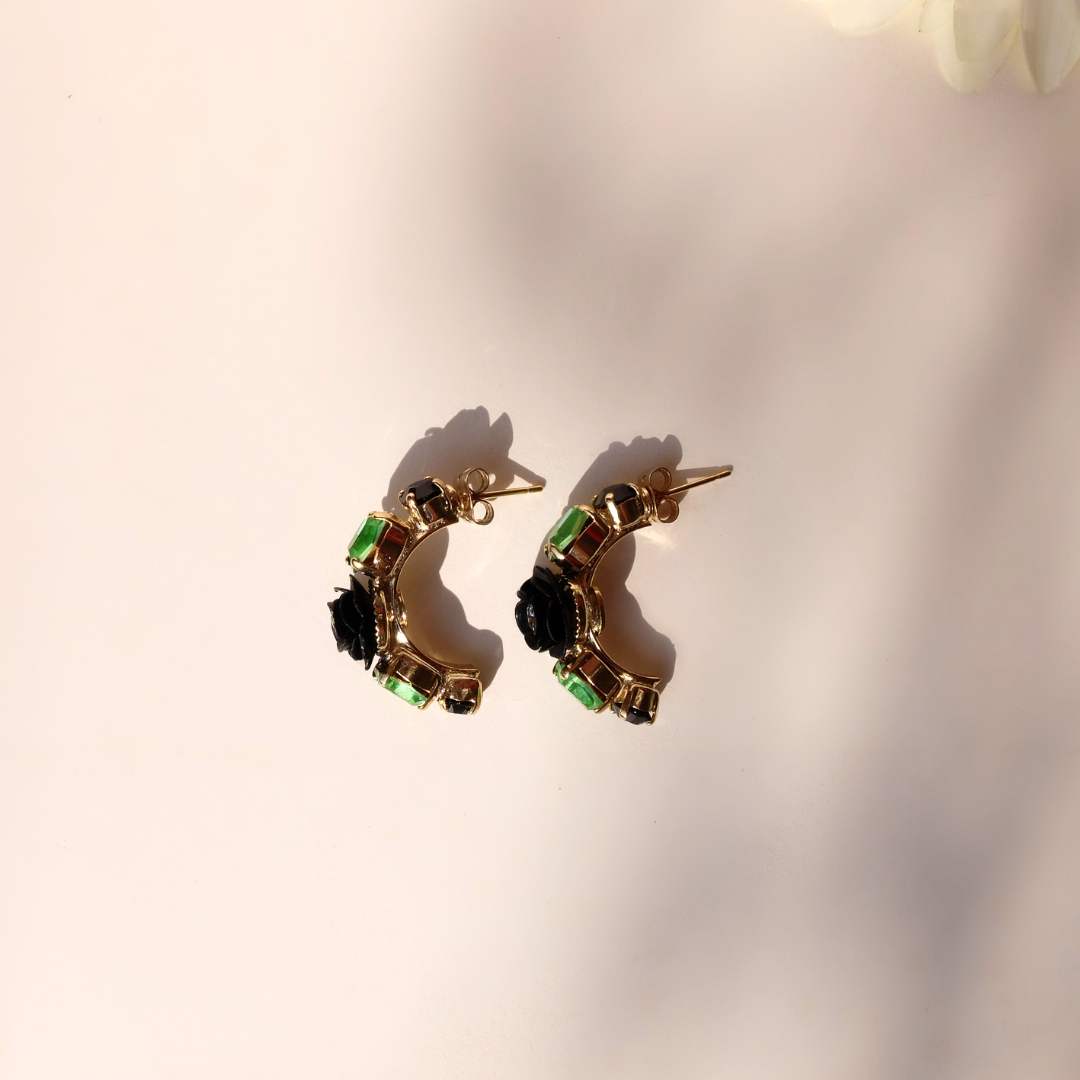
x: 367, y: 536
x: 405, y: 691
x: 579, y: 688
x: 568, y: 528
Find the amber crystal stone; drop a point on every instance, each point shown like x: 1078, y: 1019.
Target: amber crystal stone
x: 598, y: 675
x: 577, y: 536
x: 412, y: 680
x: 579, y: 688
x: 591, y: 681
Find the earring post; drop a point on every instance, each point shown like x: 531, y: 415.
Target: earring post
x: 507, y: 491
x: 726, y: 471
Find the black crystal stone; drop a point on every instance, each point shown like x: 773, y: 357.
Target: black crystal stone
x: 636, y: 716
x: 459, y: 707
x: 619, y: 493
x: 545, y: 612
x: 424, y: 491
x: 352, y: 619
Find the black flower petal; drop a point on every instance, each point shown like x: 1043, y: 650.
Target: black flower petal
x: 545, y: 612
x: 352, y: 618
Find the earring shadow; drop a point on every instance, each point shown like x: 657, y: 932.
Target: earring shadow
x: 437, y: 620
x: 466, y: 439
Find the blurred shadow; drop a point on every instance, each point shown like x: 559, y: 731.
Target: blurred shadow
x: 932, y: 841
x: 467, y: 439
x: 627, y: 636
x: 437, y: 622
x: 959, y: 848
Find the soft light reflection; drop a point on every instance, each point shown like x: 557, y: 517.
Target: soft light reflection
x: 973, y: 37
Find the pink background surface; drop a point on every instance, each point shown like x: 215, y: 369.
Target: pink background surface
x: 251, y: 253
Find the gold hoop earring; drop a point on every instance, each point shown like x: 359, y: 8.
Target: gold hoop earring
x: 369, y: 619
x: 563, y: 613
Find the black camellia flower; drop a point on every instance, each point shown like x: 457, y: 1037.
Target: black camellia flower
x: 545, y: 612
x: 352, y: 618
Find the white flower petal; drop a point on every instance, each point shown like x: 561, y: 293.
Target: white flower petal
x: 858, y: 16
x: 1051, y: 40
x: 981, y: 26
x: 935, y: 13
x: 973, y: 75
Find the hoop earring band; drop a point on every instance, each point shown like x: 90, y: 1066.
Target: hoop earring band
x: 369, y: 620
x: 563, y: 613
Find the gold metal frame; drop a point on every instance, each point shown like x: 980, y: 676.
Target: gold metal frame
x: 401, y: 667
x: 585, y: 668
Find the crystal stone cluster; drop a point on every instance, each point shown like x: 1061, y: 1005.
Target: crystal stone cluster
x: 546, y: 613
x: 417, y: 683
x: 377, y: 548
x: 580, y: 532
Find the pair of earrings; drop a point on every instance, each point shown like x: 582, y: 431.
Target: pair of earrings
x: 559, y: 610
